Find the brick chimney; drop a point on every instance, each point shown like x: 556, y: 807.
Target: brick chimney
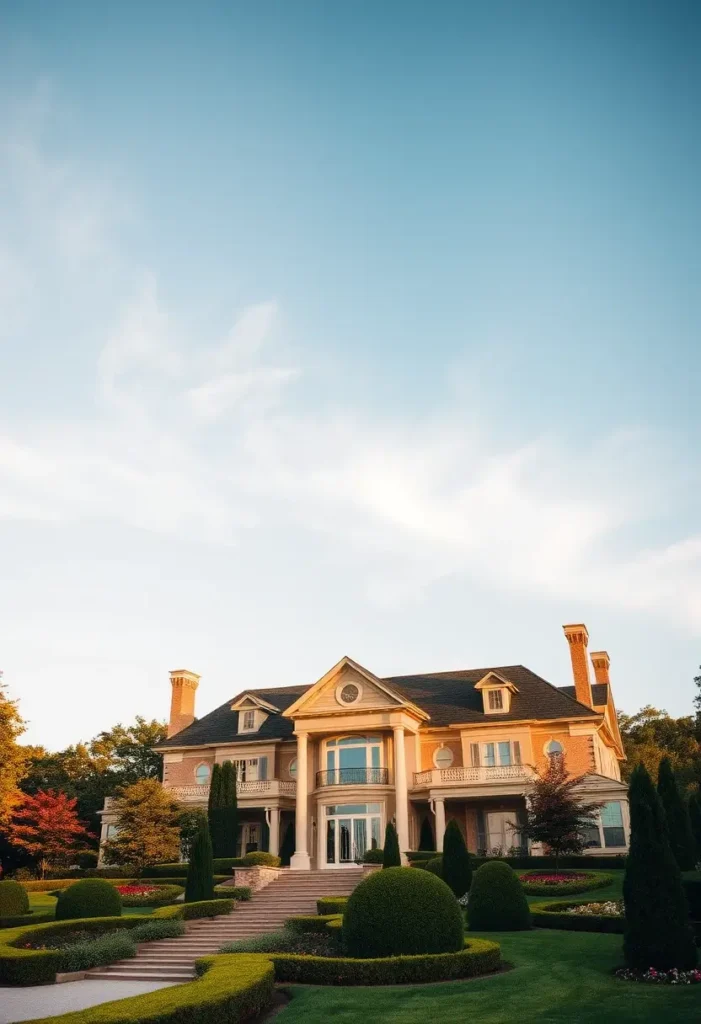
x: 182, y: 701
x: 578, y: 638
x: 601, y: 661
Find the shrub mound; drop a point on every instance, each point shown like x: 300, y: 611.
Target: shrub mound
x: 193, y: 911
x: 91, y: 897
x: 564, y: 883
x: 332, y: 905
x: 261, y: 859
x: 310, y: 923
x: 434, y: 865
x: 373, y: 856
x: 13, y: 899
x: 555, y: 915
x: 401, y: 911
x: 497, y: 901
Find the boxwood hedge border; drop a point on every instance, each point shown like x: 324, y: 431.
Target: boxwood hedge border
x: 554, y: 915
x: 595, y: 881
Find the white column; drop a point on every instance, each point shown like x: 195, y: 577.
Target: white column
x: 300, y: 859
x: 439, y: 811
x: 400, y: 786
x: 274, y: 826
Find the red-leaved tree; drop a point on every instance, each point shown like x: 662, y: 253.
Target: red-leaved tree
x: 47, y: 826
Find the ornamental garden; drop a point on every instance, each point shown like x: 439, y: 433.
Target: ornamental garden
x: 530, y: 938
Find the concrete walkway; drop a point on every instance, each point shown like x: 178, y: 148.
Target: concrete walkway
x: 18, y: 1004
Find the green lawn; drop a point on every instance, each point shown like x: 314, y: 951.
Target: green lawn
x: 558, y: 978
x: 614, y: 891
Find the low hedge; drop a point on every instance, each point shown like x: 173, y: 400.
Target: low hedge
x: 242, y: 893
x: 479, y: 957
x: 536, y: 888
x: 51, y: 885
x: 332, y: 905
x: 554, y: 915
x: 232, y: 987
x: 22, y: 919
x: 160, y: 897
x: 192, y: 911
x: 309, y: 923
x: 601, y: 862
x: 14, y: 901
x: 173, y: 874
x: 417, y: 856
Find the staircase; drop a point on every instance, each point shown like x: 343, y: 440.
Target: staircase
x: 293, y: 893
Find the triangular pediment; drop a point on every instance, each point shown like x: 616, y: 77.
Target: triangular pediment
x: 347, y: 687
x: 252, y: 700
x: 495, y: 679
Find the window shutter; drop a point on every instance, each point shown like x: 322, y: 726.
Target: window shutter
x: 517, y: 752
x: 262, y: 768
x: 475, y: 755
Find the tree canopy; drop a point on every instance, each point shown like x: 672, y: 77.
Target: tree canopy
x: 13, y: 757
x: 651, y: 734
x: 147, y: 826
x: 556, y: 814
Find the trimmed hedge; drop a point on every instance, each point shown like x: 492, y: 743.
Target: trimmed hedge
x: 309, y: 923
x: 22, y: 919
x: 242, y: 893
x: 373, y: 856
x: 602, y: 863
x: 14, y: 901
x: 399, y: 911
x: 416, y: 856
x: 566, y: 888
x: 478, y: 957
x: 332, y: 905
x: 232, y: 987
x: 496, y: 901
x: 160, y: 897
x: 259, y: 858
x: 193, y: 911
x: 91, y: 897
x: 434, y: 865
x: 554, y: 915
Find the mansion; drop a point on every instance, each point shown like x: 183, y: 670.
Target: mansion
x: 341, y: 757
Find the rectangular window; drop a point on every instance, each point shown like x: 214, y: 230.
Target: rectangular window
x: 249, y: 720
x: 496, y: 700
x: 612, y: 824
x: 475, y: 755
x: 481, y: 834
x: 517, y: 752
x: 592, y: 839
x: 489, y: 759
x: 505, y: 753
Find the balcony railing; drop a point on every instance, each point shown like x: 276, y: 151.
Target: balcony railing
x: 353, y: 777
x: 473, y: 776
x: 264, y: 787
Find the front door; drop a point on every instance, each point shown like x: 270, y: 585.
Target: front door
x: 351, y: 830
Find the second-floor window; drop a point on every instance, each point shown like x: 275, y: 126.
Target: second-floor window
x: 491, y: 755
x: 496, y: 700
x: 249, y: 720
x: 252, y: 769
x: 202, y: 774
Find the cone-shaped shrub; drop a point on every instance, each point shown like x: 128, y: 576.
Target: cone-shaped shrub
x: 199, y: 884
x: 457, y: 867
x: 676, y: 813
x: 401, y: 911
x: 13, y: 899
x: 213, y: 804
x: 657, y: 931
x: 90, y: 897
x: 426, y: 840
x: 695, y: 819
x: 497, y: 901
x: 288, y: 846
x: 228, y: 825
x: 391, y: 857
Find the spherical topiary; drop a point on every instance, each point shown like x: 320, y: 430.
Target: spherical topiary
x: 401, y: 911
x: 435, y: 866
x: 497, y: 901
x: 91, y: 897
x: 14, y: 900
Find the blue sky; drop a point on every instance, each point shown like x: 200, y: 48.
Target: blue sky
x: 325, y: 329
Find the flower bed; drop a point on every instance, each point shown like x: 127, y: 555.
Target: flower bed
x: 562, y: 883
x: 560, y: 915
x: 612, y: 908
x: 138, y: 894
x: 653, y: 977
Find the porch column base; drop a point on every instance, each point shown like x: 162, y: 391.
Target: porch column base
x: 300, y: 862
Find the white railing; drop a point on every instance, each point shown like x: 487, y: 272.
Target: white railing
x: 473, y: 776
x: 269, y: 787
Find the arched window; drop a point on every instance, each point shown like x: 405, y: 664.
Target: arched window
x: 555, y: 751
x: 202, y: 774
x: 292, y: 769
x: 443, y: 757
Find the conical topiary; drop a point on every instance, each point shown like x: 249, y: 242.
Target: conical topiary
x: 426, y: 840
x: 497, y: 901
x: 199, y: 884
x: 227, y: 812
x: 695, y: 819
x: 288, y: 846
x: 676, y: 812
x: 213, y: 804
x: 657, y: 931
x: 391, y: 857
x: 457, y: 866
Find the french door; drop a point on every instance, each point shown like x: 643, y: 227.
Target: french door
x: 351, y: 830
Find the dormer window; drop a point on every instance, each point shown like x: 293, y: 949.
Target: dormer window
x: 249, y: 720
x: 497, y: 693
x: 495, y: 700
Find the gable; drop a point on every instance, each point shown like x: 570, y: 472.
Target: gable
x: 336, y: 693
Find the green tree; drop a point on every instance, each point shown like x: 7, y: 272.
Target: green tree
x: 229, y: 811
x: 695, y: 819
x: 213, y: 805
x: 147, y: 826
x: 426, y: 840
x: 199, y: 884
x: 657, y: 931
x: 13, y: 757
x: 127, y: 751
x: 391, y: 857
x: 681, y: 839
x: 651, y: 734
x: 457, y: 866
x: 288, y: 846
x: 556, y: 815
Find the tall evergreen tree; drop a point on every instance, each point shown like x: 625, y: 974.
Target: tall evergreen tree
x: 391, y: 857
x: 213, y: 807
x: 288, y: 846
x: 676, y: 813
x: 695, y: 819
x: 457, y: 866
x: 199, y: 884
x: 229, y: 811
x: 657, y: 931
x: 426, y: 840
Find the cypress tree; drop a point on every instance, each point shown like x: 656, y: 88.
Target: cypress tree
x: 199, y: 884
x: 288, y: 846
x: 678, y: 825
x: 228, y: 812
x: 391, y: 857
x: 426, y: 840
x: 695, y: 819
x: 657, y: 931
x: 457, y: 867
x: 213, y: 805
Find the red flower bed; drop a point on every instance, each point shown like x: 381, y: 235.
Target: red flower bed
x: 553, y: 879
x: 135, y: 890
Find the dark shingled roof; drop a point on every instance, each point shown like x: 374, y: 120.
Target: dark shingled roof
x: 448, y: 697
x: 599, y: 693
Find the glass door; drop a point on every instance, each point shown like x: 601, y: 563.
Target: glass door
x: 351, y: 830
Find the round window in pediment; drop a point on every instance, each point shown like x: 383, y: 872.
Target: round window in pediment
x: 348, y: 693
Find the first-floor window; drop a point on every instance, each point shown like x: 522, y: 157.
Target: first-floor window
x: 609, y: 830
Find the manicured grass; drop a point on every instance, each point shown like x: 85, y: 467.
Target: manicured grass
x: 558, y: 978
x: 41, y: 902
